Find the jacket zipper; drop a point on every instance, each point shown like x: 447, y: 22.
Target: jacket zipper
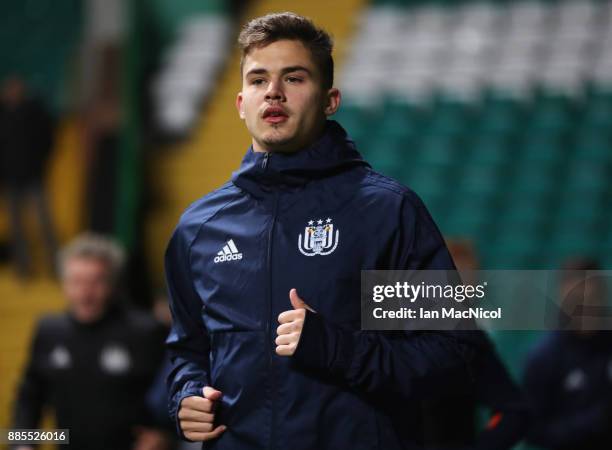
x: 270, y: 342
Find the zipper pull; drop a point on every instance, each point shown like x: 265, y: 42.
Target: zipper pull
x: 264, y: 163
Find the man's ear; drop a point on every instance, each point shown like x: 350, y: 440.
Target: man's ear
x: 239, y: 105
x: 333, y: 101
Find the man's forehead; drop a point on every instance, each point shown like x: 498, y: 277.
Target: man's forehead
x: 279, y: 55
x: 86, y: 262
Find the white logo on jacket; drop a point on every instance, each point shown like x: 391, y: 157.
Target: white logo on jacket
x: 319, y: 238
x: 229, y: 252
x: 60, y: 357
x: 575, y: 380
x: 115, y: 359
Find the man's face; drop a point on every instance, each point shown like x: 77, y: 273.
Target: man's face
x: 87, y: 285
x: 282, y: 101
x: 13, y: 91
x: 585, y: 302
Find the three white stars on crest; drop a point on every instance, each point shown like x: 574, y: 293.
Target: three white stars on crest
x: 319, y: 221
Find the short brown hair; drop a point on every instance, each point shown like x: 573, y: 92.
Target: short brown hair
x: 270, y: 28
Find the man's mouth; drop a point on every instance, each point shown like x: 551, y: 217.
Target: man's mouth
x: 275, y: 114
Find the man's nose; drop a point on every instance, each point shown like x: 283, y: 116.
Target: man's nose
x: 275, y: 91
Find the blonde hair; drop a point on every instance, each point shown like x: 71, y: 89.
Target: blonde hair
x: 95, y: 246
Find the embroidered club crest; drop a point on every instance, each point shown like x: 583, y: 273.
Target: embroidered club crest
x: 319, y: 238
x: 115, y: 359
x: 60, y: 357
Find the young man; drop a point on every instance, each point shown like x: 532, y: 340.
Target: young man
x: 93, y: 363
x: 264, y: 275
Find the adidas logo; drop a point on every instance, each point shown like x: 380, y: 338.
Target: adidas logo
x: 229, y: 253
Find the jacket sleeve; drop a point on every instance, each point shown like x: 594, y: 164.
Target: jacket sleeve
x: 31, y: 394
x: 509, y: 413
x: 416, y: 365
x: 187, y: 343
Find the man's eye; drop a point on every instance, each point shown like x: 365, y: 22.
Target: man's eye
x: 257, y: 81
x: 293, y: 79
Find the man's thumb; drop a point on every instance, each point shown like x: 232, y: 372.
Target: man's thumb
x: 297, y: 302
x: 211, y: 393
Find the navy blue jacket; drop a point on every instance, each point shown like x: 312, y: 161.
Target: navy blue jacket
x: 568, y: 380
x: 450, y: 421
x: 310, y: 220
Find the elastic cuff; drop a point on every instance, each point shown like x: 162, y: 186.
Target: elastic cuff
x: 311, y: 350
x: 190, y: 389
x: 323, y: 346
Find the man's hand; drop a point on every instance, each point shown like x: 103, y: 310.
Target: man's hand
x: 196, y: 416
x: 291, y: 324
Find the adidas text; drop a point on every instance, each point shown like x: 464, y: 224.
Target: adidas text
x: 229, y: 252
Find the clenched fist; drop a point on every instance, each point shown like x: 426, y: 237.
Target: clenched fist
x: 196, y: 416
x: 291, y: 324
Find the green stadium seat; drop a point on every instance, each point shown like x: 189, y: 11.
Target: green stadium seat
x: 514, y: 248
x: 577, y: 208
x: 591, y: 226
x: 598, y: 112
x: 530, y: 180
x: 387, y: 155
x: 593, y: 147
x: 500, y: 115
x: 470, y: 215
x: 433, y: 181
x: 552, y: 113
x: 392, y: 107
x: 438, y: 150
x: 449, y: 119
x: 564, y: 246
x: 354, y: 119
x: 403, y: 127
x: 480, y: 181
x: 491, y: 150
x: 588, y: 178
x: 526, y: 215
x: 543, y: 149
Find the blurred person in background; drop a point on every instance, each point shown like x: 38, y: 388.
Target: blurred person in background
x: 157, y: 396
x: 568, y: 375
x: 105, y: 30
x: 101, y: 142
x: 93, y: 363
x: 451, y: 422
x: 26, y: 139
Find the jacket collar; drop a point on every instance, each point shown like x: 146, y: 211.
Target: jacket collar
x: 333, y: 152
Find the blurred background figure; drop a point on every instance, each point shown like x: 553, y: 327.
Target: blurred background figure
x: 93, y: 363
x: 100, y: 91
x: 157, y: 396
x: 457, y: 422
x: 568, y: 376
x: 26, y: 139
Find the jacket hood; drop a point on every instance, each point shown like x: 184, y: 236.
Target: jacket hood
x: 333, y: 152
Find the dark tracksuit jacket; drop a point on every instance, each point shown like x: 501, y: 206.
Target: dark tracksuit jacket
x: 450, y: 421
x: 568, y: 381
x: 310, y: 220
x: 94, y: 376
